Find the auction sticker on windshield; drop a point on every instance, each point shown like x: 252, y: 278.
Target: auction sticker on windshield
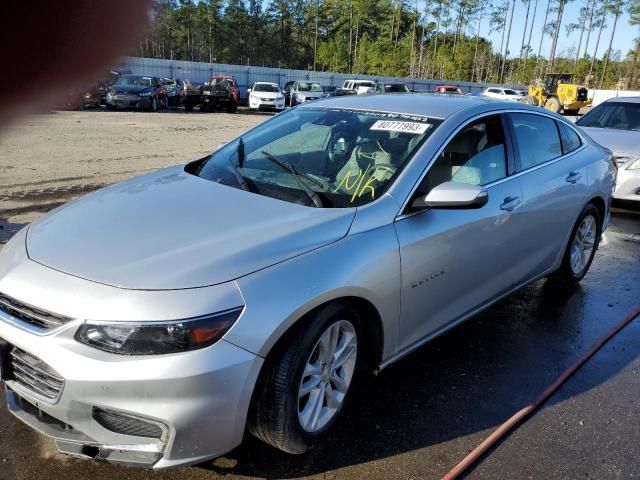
x: 406, y: 127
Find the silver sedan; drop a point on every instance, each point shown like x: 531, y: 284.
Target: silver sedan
x: 616, y: 125
x: 155, y: 321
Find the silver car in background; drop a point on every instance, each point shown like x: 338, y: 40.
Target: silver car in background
x: 615, y: 124
x: 156, y: 321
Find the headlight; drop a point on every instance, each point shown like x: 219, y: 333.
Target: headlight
x: 635, y: 165
x: 139, y: 338
x: 145, y: 93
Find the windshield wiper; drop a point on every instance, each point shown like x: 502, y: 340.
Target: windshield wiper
x: 317, y: 201
x: 236, y: 167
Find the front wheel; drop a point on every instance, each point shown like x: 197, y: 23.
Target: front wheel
x: 553, y: 104
x: 154, y: 105
x: 581, y: 248
x: 304, y: 388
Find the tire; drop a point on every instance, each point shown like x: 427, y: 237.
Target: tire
x: 110, y: 106
x: 154, y: 105
x: 283, y: 417
x: 553, y: 104
x: 571, y: 272
x: 232, y: 107
x: 188, y: 107
x: 530, y: 100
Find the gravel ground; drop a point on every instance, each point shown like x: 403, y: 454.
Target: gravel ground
x: 423, y: 414
x: 49, y: 158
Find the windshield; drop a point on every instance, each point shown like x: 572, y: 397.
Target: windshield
x: 396, y: 87
x: 134, y: 80
x: 265, y: 87
x: 364, y: 83
x: 509, y: 92
x: 616, y: 115
x: 348, y: 157
x: 309, y: 87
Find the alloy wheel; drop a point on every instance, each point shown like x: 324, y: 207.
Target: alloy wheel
x: 583, y: 244
x: 327, y: 376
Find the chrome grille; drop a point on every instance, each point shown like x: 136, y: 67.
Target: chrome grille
x: 31, y: 315
x: 35, y: 375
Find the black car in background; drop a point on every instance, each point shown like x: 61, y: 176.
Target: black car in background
x: 137, y: 91
x: 392, y: 87
x: 175, y: 91
x: 329, y: 90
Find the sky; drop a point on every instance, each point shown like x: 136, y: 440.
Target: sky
x: 623, y: 40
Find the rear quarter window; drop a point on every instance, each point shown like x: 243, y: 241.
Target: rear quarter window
x: 537, y: 139
x: 569, y: 138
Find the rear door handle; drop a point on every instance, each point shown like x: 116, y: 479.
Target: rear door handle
x: 574, y: 177
x: 510, y: 203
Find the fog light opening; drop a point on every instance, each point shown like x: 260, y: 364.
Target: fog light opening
x: 90, y: 451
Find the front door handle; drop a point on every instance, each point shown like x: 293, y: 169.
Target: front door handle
x: 510, y: 203
x: 574, y: 177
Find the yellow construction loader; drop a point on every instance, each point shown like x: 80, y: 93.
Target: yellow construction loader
x: 559, y: 94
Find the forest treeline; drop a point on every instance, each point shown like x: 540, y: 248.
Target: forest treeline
x: 437, y: 39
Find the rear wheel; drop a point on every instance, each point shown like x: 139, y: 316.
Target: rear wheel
x: 304, y: 387
x: 581, y: 248
x: 530, y: 100
x: 552, y: 104
x: 188, y: 107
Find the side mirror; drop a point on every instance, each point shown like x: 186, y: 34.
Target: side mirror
x: 452, y: 195
x: 248, y: 90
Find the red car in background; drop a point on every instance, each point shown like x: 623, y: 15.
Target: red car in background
x: 454, y: 89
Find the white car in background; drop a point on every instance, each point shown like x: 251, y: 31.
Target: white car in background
x: 503, y: 94
x: 615, y: 124
x: 361, y: 87
x: 265, y: 95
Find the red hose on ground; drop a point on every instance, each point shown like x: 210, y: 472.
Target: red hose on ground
x: 477, y: 452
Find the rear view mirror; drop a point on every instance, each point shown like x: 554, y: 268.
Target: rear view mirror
x: 452, y: 195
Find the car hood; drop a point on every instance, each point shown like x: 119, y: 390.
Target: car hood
x: 129, y: 88
x: 618, y: 141
x: 267, y: 94
x: 172, y: 230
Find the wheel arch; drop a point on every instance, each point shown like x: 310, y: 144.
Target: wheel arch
x: 371, y: 324
x: 600, y: 204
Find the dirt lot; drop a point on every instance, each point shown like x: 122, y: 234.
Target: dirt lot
x: 421, y: 415
x: 49, y: 158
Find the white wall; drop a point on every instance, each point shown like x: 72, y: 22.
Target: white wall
x: 600, y: 96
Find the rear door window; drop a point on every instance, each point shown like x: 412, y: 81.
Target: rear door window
x: 569, y: 138
x: 537, y: 139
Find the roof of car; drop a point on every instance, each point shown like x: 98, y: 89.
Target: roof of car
x: 433, y: 105
x: 266, y: 83
x: 624, y: 99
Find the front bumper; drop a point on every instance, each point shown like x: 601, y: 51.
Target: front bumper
x: 199, y: 398
x: 258, y: 104
x: 129, y: 101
